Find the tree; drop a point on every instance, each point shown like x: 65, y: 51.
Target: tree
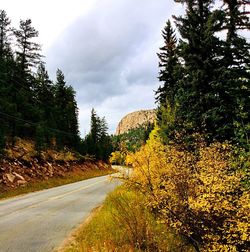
x: 98, y: 142
x: 199, y: 48
x: 30, y: 105
x: 27, y: 57
x: 28, y: 53
x: 235, y: 68
x: 7, y: 75
x: 170, y: 74
x: 66, y: 112
x: 168, y: 63
x: 5, y: 32
x: 213, y: 92
x: 44, y: 96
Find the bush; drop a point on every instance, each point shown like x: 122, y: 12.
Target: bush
x: 117, y: 158
x: 125, y: 224
x: 202, y: 194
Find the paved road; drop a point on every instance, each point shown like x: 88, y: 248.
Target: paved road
x: 40, y: 221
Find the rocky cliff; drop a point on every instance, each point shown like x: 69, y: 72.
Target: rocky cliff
x: 135, y: 119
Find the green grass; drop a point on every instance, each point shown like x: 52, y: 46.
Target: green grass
x: 53, y: 182
x: 124, y: 224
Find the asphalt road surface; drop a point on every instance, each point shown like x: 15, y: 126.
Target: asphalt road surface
x: 40, y: 221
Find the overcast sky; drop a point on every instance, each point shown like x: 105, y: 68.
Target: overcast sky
x: 106, y: 49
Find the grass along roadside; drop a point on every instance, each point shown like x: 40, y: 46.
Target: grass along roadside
x: 123, y: 224
x: 53, y: 182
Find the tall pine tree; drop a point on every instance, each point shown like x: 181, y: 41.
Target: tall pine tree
x: 45, y: 102
x: 66, y: 112
x: 27, y: 57
x: 235, y: 72
x: 169, y: 75
x: 204, y: 101
x: 28, y: 54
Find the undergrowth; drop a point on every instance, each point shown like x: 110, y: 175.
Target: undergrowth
x: 124, y: 224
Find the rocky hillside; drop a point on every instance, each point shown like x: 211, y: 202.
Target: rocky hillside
x: 15, y: 173
x: 135, y: 119
x: 20, y: 165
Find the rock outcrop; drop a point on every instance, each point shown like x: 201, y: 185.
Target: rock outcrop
x: 135, y: 119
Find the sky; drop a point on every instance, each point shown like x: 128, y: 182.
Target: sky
x: 107, y: 50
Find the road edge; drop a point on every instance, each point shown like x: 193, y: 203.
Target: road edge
x: 71, y: 238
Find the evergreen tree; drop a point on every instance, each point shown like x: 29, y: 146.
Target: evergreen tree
x: 44, y: 92
x: 168, y: 63
x: 235, y: 71
x: 5, y: 32
x: 7, y: 74
x: 204, y: 102
x: 98, y: 143
x: 30, y: 105
x: 170, y: 74
x: 66, y: 112
x: 211, y: 90
x: 28, y: 54
x: 105, y: 145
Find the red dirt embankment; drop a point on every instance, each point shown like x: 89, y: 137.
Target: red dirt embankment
x: 15, y: 173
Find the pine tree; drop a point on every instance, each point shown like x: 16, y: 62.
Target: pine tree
x: 44, y: 94
x: 105, y: 145
x: 27, y: 57
x: 28, y: 54
x: 66, y: 112
x: 7, y: 71
x: 98, y: 143
x: 235, y: 71
x: 170, y: 73
x: 72, y: 117
x: 212, y: 92
x: 5, y: 33
x: 60, y: 100
x: 202, y: 99
x: 168, y: 63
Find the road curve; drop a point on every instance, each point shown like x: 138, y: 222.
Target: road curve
x: 40, y: 221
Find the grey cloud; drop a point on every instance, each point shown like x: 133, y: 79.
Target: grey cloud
x: 111, y: 51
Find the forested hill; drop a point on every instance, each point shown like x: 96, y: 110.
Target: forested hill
x: 31, y: 105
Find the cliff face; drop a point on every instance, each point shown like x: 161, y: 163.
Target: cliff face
x: 135, y: 119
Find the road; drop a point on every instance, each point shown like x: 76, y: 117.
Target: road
x: 40, y: 221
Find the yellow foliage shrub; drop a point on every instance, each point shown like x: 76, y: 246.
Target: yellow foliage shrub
x: 199, y: 194
x: 117, y: 158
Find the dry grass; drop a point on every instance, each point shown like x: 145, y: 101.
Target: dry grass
x: 124, y: 224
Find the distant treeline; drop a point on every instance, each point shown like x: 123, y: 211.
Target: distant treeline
x: 31, y: 105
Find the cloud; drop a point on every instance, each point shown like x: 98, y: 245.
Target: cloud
x: 109, y: 57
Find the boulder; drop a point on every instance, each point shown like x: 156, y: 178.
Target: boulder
x: 18, y: 176
x: 10, y: 177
